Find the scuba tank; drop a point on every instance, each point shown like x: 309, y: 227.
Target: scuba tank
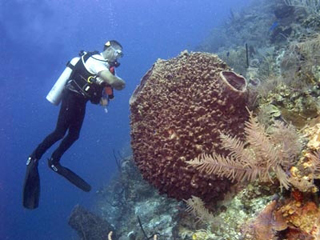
x: 55, y: 94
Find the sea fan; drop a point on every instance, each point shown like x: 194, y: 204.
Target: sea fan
x: 266, y: 224
x: 261, y: 156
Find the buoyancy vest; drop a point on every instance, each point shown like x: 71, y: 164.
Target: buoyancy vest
x: 80, y: 80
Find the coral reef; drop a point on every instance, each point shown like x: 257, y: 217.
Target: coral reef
x: 288, y: 92
x: 285, y: 64
x: 88, y: 225
x: 229, y: 220
x: 307, y: 169
x: 128, y: 200
x: 177, y: 113
x: 292, y: 218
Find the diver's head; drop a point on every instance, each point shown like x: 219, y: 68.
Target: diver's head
x: 112, y: 51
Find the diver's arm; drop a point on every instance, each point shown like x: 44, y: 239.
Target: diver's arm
x: 114, y: 81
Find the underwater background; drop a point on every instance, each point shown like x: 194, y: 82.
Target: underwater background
x: 220, y: 141
x: 37, y: 39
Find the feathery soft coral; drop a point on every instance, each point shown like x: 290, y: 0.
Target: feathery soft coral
x: 260, y: 157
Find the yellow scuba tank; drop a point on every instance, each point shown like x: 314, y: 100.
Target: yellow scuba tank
x: 55, y: 94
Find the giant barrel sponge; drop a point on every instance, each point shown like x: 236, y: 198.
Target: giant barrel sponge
x: 178, y: 112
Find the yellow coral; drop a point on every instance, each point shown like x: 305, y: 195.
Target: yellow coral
x: 203, y: 235
x: 314, y: 134
x: 303, y: 216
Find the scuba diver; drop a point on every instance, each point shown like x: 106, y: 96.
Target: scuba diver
x: 89, y: 77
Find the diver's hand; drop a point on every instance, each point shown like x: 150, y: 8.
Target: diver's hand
x: 119, y: 84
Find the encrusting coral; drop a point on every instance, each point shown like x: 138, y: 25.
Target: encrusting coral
x: 177, y: 112
x: 307, y: 168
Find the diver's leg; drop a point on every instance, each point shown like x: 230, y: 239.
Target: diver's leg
x: 72, y: 136
x: 75, y: 123
x: 61, y: 128
x: 31, y: 186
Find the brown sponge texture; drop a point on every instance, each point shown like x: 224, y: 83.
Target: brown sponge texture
x: 177, y: 112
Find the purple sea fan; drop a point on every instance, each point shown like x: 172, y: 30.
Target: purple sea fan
x: 266, y: 224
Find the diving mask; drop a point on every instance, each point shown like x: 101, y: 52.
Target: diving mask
x: 117, y: 52
x: 113, y: 50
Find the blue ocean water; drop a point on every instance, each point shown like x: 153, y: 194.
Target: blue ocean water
x: 37, y: 39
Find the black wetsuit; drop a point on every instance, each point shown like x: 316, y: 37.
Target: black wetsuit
x: 73, y: 107
x: 71, y: 115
